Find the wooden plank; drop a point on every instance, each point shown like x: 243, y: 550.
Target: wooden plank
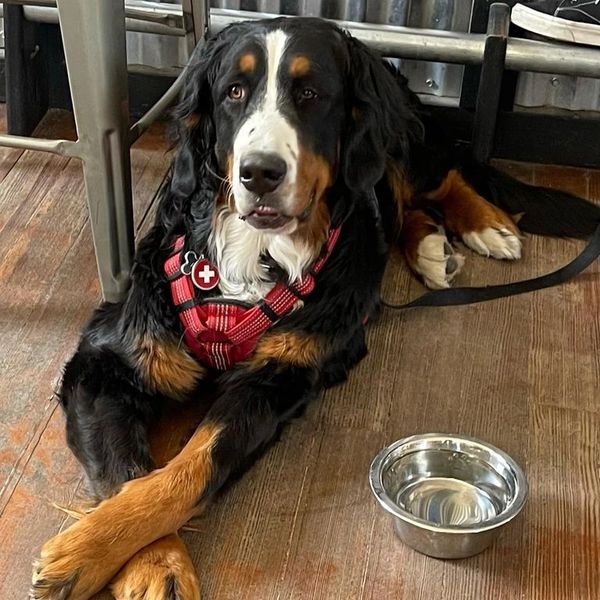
x: 301, y: 525
x: 562, y: 522
x: 8, y: 156
x: 522, y: 171
x: 48, y: 289
x: 572, y: 179
x: 51, y: 475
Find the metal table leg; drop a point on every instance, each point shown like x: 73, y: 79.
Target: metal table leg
x: 93, y: 33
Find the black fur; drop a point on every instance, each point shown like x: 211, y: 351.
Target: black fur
x: 107, y: 401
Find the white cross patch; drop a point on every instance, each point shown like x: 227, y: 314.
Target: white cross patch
x: 205, y: 275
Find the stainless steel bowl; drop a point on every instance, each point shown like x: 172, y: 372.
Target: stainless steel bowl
x: 449, y: 495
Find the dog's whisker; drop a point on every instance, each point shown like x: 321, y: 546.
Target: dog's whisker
x: 214, y: 174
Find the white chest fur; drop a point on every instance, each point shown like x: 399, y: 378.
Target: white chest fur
x: 238, y: 248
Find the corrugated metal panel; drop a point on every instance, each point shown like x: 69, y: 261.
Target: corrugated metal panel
x: 437, y: 79
x: 558, y: 91
x: 158, y: 51
x: 440, y: 80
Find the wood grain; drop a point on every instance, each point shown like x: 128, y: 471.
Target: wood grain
x: 48, y: 287
x: 523, y: 373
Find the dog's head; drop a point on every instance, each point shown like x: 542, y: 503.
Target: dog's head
x: 283, y: 110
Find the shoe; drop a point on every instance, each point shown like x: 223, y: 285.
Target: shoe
x: 566, y: 20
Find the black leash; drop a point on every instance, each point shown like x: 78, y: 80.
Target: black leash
x: 472, y: 295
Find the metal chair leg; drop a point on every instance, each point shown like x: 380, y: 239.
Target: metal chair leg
x: 93, y: 33
x: 196, y: 18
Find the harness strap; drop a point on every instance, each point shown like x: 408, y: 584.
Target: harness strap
x: 473, y: 295
x: 182, y: 290
x: 231, y: 332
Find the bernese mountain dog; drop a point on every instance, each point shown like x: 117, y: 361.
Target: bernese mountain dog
x: 302, y: 157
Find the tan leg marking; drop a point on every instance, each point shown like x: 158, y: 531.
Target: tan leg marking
x: 428, y: 251
x: 288, y: 348
x: 81, y: 561
x: 167, y: 367
x: 482, y: 226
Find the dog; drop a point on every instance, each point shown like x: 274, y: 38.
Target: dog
x: 302, y: 158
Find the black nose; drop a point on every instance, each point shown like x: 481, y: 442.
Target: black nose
x: 262, y: 173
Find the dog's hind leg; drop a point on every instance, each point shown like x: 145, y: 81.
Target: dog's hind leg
x: 483, y: 227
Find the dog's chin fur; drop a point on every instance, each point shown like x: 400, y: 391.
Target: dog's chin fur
x: 239, y: 250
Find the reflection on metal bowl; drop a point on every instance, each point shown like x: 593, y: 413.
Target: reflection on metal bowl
x: 449, y: 495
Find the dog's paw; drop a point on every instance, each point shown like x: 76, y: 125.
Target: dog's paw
x: 498, y: 242
x: 437, y: 262
x: 161, y: 571
x: 46, y: 585
x: 66, y: 570
x: 78, y: 562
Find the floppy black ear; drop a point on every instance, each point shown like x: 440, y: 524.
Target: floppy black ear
x: 194, y: 113
x: 380, y: 117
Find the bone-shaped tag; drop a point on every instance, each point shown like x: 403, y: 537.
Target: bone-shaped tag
x: 189, y: 260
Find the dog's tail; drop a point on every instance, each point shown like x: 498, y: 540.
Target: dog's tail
x: 538, y: 210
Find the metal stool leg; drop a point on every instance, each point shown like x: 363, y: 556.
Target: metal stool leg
x: 93, y: 33
x: 196, y: 17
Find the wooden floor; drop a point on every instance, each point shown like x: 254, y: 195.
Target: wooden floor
x: 522, y: 373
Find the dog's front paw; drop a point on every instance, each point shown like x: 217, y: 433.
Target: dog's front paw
x: 54, y: 583
x: 437, y: 262
x: 73, y: 565
x: 161, y: 571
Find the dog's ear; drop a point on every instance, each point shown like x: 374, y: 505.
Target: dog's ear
x: 194, y: 115
x: 380, y: 117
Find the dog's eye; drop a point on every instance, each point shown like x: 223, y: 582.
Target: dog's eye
x: 308, y: 94
x: 236, y: 92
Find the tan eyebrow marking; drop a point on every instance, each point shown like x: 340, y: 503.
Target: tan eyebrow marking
x: 299, y: 66
x: 247, y: 62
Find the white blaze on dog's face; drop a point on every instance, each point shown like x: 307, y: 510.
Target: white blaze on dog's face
x: 279, y: 117
x: 265, y: 149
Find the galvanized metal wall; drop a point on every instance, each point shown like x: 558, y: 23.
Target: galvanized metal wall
x: 558, y: 91
x: 156, y: 51
x: 437, y: 82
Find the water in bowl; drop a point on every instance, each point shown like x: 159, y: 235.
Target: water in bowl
x: 447, y: 502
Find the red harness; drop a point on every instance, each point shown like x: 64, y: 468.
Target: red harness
x: 221, y: 334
